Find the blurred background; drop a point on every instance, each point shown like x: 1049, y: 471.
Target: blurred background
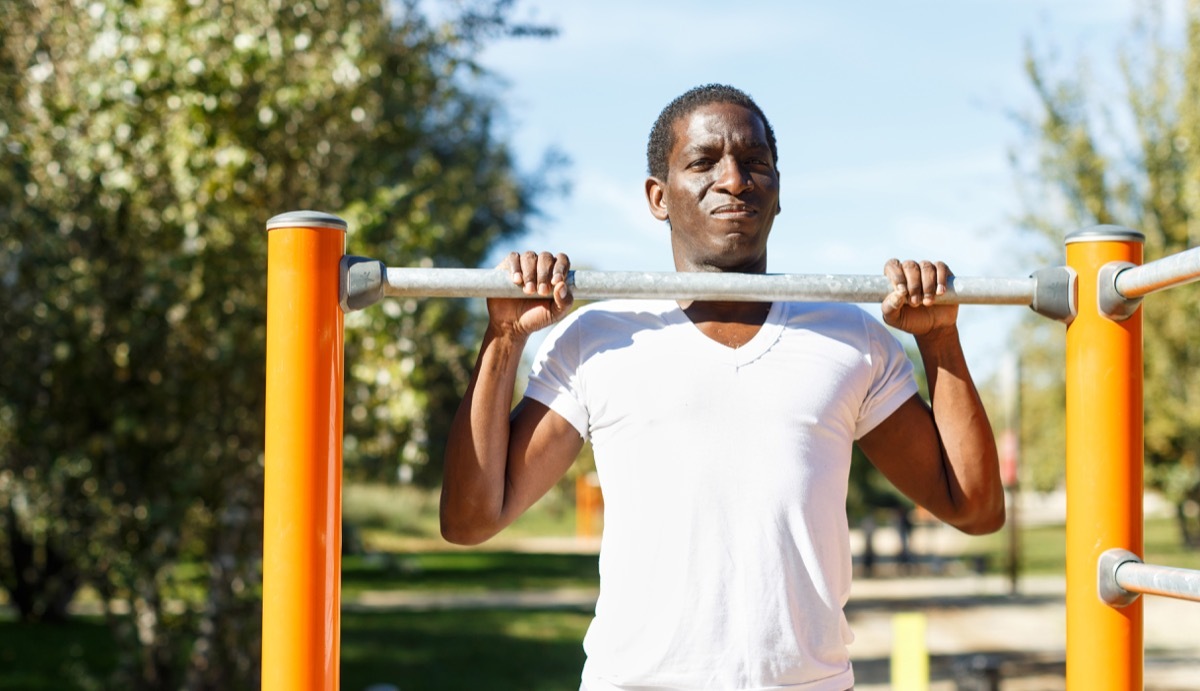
x: 144, y: 145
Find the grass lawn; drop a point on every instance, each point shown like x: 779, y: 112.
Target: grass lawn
x: 386, y: 516
x: 465, y: 649
x: 468, y: 571
x: 455, y: 649
x: 78, y: 654
x: 1043, y: 548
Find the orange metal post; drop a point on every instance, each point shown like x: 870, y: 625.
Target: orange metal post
x: 303, y: 507
x: 583, y: 507
x: 1104, y: 467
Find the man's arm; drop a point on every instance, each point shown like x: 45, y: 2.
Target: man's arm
x: 498, y: 463
x: 944, y: 457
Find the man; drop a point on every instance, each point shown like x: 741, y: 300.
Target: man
x: 722, y: 431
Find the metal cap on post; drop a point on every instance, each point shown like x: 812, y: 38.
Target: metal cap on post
x: 306, y: 219
x: 1105, y: 233
x: 302, y: 507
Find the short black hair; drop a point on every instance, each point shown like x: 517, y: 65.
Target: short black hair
x: 662, y: 136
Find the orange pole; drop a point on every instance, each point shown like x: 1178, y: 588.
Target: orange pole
x: 302, y: 532
x: 1104, y: 466
x: 583, y: 507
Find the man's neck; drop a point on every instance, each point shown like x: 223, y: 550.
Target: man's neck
x: 731, y: 324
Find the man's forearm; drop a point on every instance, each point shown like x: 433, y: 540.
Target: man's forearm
x: 473, y: 487
x: 968, y: 444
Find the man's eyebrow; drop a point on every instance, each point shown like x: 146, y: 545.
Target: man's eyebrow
x: 716, y: 143
x: 702, y: 146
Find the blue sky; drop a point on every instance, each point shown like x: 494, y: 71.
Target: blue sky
x: 894, y: 121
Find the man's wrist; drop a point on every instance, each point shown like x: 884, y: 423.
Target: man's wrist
x: 939, y: 337
x: 506, y: 336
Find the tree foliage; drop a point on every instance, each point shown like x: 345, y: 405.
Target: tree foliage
x: 1135, y: 161
x: 142, y: 147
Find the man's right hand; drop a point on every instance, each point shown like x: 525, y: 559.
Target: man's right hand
x: 536, y: 273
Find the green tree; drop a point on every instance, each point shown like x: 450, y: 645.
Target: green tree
x: 1135, y: 161
x: 142, y: 148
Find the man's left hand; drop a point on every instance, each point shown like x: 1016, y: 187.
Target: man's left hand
x: 911, y: 305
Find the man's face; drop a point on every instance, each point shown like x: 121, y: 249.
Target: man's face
x: 721, y: 194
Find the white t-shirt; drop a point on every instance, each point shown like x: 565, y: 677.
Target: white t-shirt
x: 725, y: 560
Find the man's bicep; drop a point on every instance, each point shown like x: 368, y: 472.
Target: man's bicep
x: 905, y: 448
x: 542, y: 446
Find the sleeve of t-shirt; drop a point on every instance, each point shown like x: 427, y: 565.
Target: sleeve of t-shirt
x: 554, y: 378
x: 892, y: 381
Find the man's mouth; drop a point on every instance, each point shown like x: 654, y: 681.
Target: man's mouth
x: 735, y: 211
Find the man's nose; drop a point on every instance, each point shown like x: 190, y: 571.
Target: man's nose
x: 732, y: 177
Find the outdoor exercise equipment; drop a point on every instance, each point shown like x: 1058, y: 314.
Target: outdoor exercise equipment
x: 311, y: 283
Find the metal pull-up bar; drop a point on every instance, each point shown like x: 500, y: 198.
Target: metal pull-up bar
x: 1176, y: 270
x: 1122, y: 285
x: 1123, y: 577
x: 366, y: 281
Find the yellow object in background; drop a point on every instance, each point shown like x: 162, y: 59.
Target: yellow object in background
x: 910, y: 655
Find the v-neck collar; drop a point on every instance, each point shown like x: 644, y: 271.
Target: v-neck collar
x: 750, y: 351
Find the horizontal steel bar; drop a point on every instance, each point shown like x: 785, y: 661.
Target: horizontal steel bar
x: 1160, y: 274
x: 1151, y: 579
x: 603, y: 285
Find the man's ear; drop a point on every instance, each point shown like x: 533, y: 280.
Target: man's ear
x: 778, y: 204
x: 656, y: 197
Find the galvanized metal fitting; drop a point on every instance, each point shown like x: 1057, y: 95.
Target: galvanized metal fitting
x: 362, y: 282
x: 1110, y: 301
x: 1110, y: 591
x: 1054, y: 293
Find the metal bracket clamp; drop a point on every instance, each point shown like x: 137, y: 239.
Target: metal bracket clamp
x: 1109, y: 589
x: 362, y: 282
x: 1054, y: 293
x: 1110, y: 301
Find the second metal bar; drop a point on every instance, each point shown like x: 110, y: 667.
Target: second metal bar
x: 1175, y: 270
x: 1151, y: 579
